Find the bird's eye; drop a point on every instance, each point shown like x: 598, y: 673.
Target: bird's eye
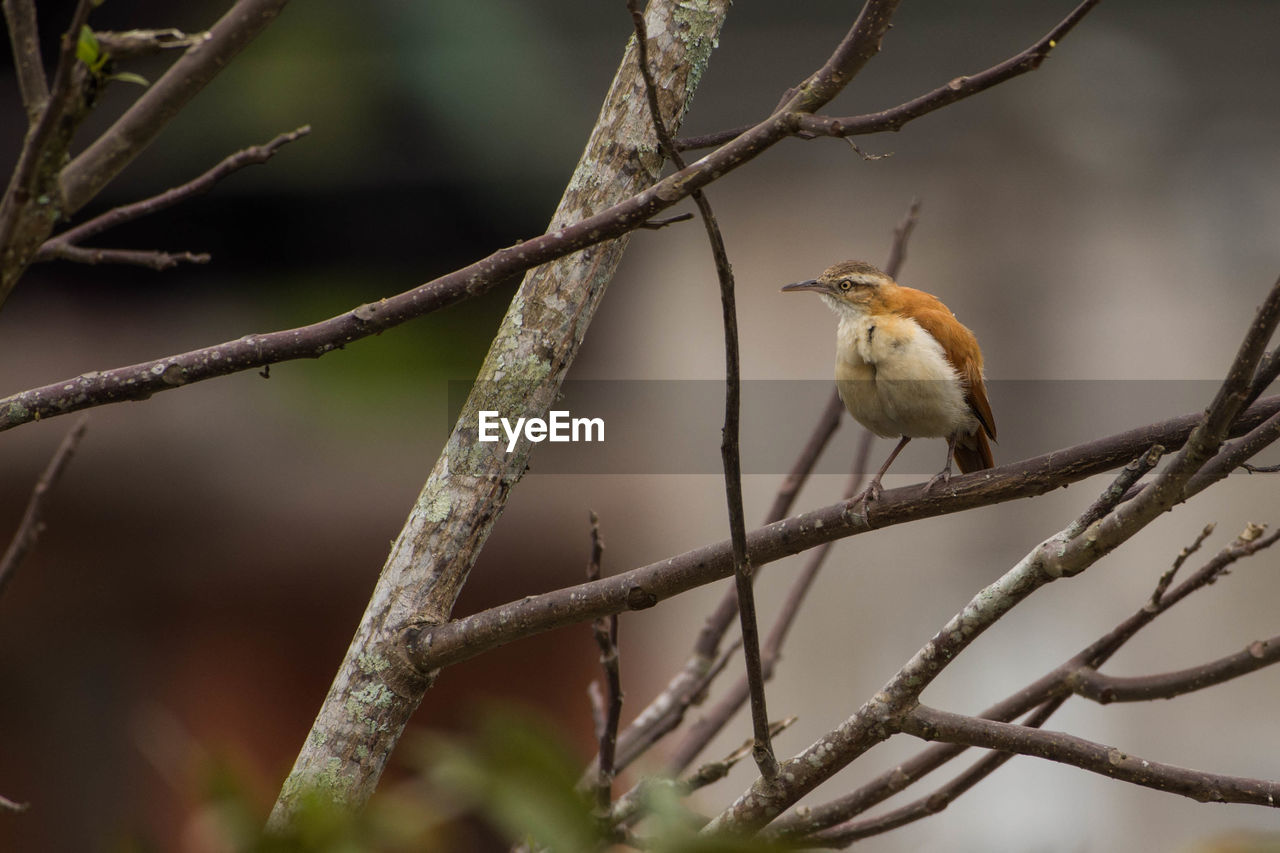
x: 846, y: 284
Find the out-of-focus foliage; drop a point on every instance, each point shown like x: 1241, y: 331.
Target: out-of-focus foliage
x: 513, y: 780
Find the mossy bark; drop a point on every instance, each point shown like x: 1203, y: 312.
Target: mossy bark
x: 377, y: 689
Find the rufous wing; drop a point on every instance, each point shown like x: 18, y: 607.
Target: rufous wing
x: 961, y: 349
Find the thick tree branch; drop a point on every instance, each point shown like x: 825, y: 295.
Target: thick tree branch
x: 376, y: 690
x: 932, y: 724
x: 20, y: 15
x: 32, y: 524
x: 453, y: 642
x: 91, y: 170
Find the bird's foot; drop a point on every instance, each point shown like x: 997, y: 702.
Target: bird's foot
x: 869, y: 495
x: 942, y: 478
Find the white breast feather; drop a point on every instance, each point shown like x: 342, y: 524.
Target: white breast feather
x: 895, y: 379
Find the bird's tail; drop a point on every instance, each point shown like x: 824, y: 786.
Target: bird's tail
x: 973, y: 452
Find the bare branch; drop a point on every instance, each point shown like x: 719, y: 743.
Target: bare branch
x: 91, y: 170
x: 20, y: 15
x: 846, y: 833
x: 131, y: 44
x: 729, y: 449
x: 932, y: 724
x: 605, y: 629
x: 1046, y: 695
x: 155, y: 260
x: 1167, y: 578
x: 710, y: 724
x: 43, y: 150
x: 32, y: 524
x: 57, y: 246
x: 895, y: 118
x: 1103, y: 689
x: 1058, y: 556
x: 453, y: 642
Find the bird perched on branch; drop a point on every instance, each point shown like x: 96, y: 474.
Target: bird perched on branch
x: 905, y: 366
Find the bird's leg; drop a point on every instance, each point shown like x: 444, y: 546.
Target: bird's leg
x: 944, y: 476
x: 873, y: 490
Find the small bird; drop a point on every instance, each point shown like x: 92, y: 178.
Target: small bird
x: 905, y: 366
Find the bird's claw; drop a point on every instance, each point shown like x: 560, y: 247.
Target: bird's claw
x: 943, y: 477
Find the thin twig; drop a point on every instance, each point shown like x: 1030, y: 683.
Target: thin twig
x: 896, y: 117
x: 657, y: 224
x: 1167, y: 578
x: 846, y: 833
x: 24, y: 37
x: 729, y: 449
x: 1046, y: 693
x: 149, y: 259
x: 932, y: 724
x: 605, y: 629
x: 713, y: 630
x: 66, y: 245
x: 32, y: 524
x: 1104, y: 689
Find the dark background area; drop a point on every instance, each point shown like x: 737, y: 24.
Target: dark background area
x: 1110, y: 216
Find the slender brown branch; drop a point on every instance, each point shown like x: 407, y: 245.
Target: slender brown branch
x: 605, y: 629
x: 24, y: 37
x: 729, y: 443
x: 932, y: 724
x: 58, y: 246
x: 666, y: 711
x: 1057, y: 557
x: 131, y: 44
x: 895, y: 118
x: 453, y: 642
x: 1167, y: 578
x: 1046, y: 693
x: 1103, y: 689
x: 91, y: 170
x: 710, y: 723
x: 149, y: 259
x: 845, y: 834
x: 32, y: 524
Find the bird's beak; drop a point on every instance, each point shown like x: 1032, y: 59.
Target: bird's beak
x: 811, y: 284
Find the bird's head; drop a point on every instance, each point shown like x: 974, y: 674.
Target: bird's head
x: 849, y: 286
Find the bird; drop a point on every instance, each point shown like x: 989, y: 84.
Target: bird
x: 906, y: 367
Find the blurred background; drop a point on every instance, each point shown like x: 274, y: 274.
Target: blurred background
x: 1111, y: 216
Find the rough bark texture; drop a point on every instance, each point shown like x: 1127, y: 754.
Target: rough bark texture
x: 377, y: 689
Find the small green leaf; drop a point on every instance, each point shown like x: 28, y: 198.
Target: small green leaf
x: 87, y: 50
x: 130, y: 77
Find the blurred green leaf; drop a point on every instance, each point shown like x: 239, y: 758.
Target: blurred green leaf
x: 518, y: 773
x: 87, y: 50
x: 130, y: 77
